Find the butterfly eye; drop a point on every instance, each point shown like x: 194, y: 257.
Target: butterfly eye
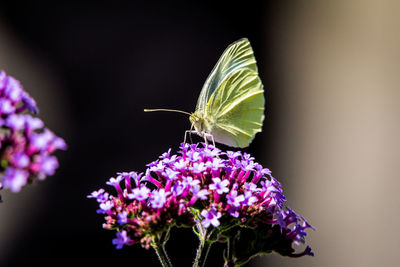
x: 194, y: 118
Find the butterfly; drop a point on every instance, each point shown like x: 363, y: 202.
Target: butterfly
x: 230, y: 108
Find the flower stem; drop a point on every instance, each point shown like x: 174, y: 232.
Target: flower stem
x: 162, y: 255
x: 202, y: 253
x: 229, y: 264
x: 204, y: 247
x: 229, y: 260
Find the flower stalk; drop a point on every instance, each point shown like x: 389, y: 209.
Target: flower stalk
x: 204, y: 246
x: 202, y: 253
x: 162, y: 255
x: 229, y: 260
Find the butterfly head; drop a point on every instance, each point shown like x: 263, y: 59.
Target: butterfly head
x: 198, y: 122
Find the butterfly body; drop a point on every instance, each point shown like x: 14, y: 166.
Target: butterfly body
x: 200, y: 122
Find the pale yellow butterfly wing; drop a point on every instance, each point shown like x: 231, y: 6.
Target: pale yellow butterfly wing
x: 236, y: 109
x: 236, y: 56
x: 232, y: 104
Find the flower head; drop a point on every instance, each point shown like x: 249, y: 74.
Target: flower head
x: 204, y: 185
x: 26, y: 146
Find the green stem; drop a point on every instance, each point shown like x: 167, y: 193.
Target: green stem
x: 229, y: 260
x: 229, y: 264
x: 202, y: 253
x: 162, y: 255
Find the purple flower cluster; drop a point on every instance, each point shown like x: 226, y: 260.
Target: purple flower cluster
x: 200, y: 185
x: 26, y: 147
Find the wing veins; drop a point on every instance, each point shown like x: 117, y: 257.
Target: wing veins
x: 238, y: 82
x: 229, y: 129
x: 240, y: 100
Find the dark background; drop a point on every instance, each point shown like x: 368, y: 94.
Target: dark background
x: 113, y: 60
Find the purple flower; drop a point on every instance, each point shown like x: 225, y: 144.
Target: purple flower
x: 49, y: 164
x: 233, y: 198
x: 13, y: 90
x: 157, y: 167
x: 15, y: 122
x: 194, y: 156
x: 32, y: 124
x: 233, y: 156
x: 233, y: 211
x: 128, y: 175
x: 15, y: 179
x: 268, y: 187
x: 122, y: 217
x: 105, y: 206
x: 178, y: 188
x: 40, y: 141
x: 210, y: 217
x: 247, y: 157
x: 29, y: 102
x: 114, y: 181
x: 249, y: 199
x: 219, y: 186
x: 100, y: 195
x: 158, y: 198
x: 121, y: 240
x: 215, y: 164
x: 251, y: 187
x: 190, y: 181
x: 59, y: 143
x: 6, y: 106
x: 169, y: 159
x: 265, y: 171
x: 21, y: 160
x: 198, y: 167
x: 211, y: 152
x: 180, y: 164
x: 248, y: 165
x: 166, y: 154
x: 170, y: 174
x: 199, y: 193
x: 139, y: 194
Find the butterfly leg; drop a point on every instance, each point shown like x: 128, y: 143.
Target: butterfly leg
x: 184, y: 138
x: 190, y: 135
x: 205, y: 138
x: 207, y: 135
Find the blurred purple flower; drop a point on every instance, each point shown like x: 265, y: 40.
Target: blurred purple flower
x: 15, y: 179
x: 121, y: 239
x: 26, y: 146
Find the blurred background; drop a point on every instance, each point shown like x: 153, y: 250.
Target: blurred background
x: 331, y: 133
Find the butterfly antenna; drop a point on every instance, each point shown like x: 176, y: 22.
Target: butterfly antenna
x: 169, y: 110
